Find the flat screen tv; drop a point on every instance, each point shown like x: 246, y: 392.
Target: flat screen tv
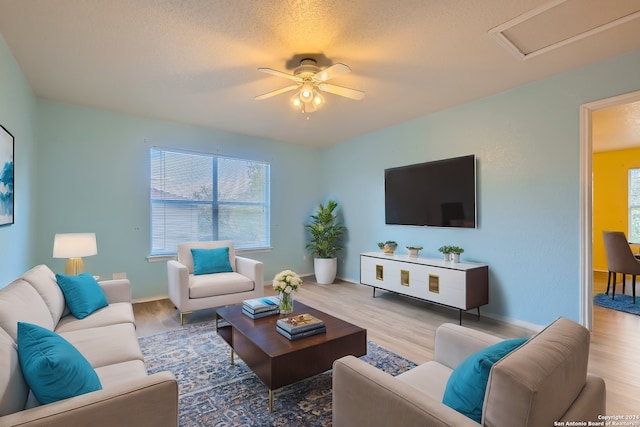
x: 441, y: 193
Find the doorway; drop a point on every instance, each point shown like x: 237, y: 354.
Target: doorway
x: 586, y: 197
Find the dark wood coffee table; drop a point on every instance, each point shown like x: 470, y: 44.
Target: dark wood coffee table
x: 278, y: 361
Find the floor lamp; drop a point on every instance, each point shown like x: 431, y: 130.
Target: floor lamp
x: 74, y: 246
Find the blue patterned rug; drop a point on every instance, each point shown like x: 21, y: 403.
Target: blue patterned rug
x: 212, y: 392
x: 621, y: 303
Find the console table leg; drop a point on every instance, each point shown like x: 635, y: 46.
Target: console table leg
x: 478, y: 312
x: 270, y: 401
x: 233, y: 361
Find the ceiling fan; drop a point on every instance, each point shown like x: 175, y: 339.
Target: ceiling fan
x: 310, y: 80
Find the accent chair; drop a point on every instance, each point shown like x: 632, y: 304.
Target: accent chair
x: 620, y: 259
x: 193, y: 286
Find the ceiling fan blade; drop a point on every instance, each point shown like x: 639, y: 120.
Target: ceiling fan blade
x: 341, y: 90
x: 277, y: 92
x: 330, y: 72
x: 280, y: 74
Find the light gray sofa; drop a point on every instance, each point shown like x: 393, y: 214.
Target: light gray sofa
x: 106, y: 338
x: 189, y: 292
x: 543, y: 381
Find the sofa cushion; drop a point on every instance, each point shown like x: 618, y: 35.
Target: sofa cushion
x: 119, y: 312
x: 121, y: 373
x: 13, y: 388
x: 467, y: 384
x: 210, y: 261
x: 536, y: 383
x: 43, y: 280
x: 185, y: 257
x: 20, y: 302
x: 82, y: 293
x: 209, y: 285
x: 106, y: 345
x: 53, y: 368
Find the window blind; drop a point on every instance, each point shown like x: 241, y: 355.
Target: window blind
x: 197, y: 197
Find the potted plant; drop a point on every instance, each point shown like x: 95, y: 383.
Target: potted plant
x: 413, y: 251
x: 455, y: 253
x: 325, y: 241
x: 388, y: 247
x: 446, y: 251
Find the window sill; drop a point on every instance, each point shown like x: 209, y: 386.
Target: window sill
x: 165, y: 258
x: 161, y: 258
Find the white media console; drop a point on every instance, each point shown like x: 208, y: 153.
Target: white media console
x: 461, y: 285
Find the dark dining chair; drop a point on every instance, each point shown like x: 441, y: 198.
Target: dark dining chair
x: 621, y: 260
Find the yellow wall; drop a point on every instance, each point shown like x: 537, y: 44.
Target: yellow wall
x: 610, y: 202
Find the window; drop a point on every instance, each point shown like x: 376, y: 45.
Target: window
x: 196, y: 197
x: 634, y: 205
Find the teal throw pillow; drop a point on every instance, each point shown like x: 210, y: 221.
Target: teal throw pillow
x: 207, y: 261
x: 467, y: 384
x: 82, y: 294
x: 52, y: 367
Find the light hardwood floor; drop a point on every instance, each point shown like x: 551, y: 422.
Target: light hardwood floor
x: 406, y: 326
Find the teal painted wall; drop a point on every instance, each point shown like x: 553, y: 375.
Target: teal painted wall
x: 17, y: 115
x: 94, y: 177
x: 527, y: 143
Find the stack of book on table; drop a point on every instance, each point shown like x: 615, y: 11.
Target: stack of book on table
x: 300, y: 326
x: 261, y: 307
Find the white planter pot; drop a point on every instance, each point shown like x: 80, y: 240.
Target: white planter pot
x: 325, y: 270
x: 413, y: 253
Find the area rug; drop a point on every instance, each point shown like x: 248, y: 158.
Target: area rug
x: 212, y: 392
x: 621, y: 303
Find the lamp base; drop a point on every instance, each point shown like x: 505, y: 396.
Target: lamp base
x: 75, y: 266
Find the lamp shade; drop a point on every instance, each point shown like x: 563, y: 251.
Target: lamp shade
x: 74, y: 245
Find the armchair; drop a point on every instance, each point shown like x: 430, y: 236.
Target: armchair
x: 189, y: 292
x: 542, y: 381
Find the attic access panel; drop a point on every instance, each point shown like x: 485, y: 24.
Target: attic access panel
x: 561, y: 22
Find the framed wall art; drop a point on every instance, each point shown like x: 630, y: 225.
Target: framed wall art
x: 6, y: 176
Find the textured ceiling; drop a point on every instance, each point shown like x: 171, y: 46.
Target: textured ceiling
x: 616, y: 128
x: 196, y: 61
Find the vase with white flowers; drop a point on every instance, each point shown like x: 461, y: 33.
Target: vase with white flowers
x: 286, y: 282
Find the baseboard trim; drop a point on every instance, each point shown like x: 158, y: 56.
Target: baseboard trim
x: 515, y: 322
x: 149, y: 299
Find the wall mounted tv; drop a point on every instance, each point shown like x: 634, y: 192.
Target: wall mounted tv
x: 441, y: 193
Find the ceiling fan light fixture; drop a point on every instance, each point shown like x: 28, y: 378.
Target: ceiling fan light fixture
x: 315, y: 101
x: 318, y: 99
x: 296, y: 102
x: 306, y: 92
